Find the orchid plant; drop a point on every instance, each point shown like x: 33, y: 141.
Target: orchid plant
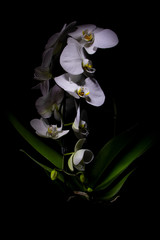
x: 83, y: 173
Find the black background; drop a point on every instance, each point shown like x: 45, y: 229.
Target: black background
x: 128, y: 72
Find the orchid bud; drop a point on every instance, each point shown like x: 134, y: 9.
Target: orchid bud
x: 89, y: 189
x: 54, y: 174
x: 82, y: 178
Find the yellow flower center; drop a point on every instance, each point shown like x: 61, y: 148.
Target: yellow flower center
x: 87, y: 36
x: 52, y: 131
x: 88, y: 66
x: 83, y: 91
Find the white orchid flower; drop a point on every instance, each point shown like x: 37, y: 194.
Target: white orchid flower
x: 87, y: 88
x: 79, y: 126
x: 80, y: 157
x: 52, y: 48
x: 47, y: 131
x: 73, y: 59
x: 92, y: 37
x: 50, y: 101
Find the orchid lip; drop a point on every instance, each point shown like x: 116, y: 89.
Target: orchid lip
x: 88, y: 66
x: 83, y: 129
x: 83, y: 91
x: 88, y: 36
x: 52, y: 131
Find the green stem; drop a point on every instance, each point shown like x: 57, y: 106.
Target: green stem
x: 67, y: 124
x: 66, y: 154
x: 67, y: 173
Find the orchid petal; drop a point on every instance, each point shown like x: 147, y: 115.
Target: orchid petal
x: 44, y: 107
x: 79, y: 31
x: 39, y: 126
x: 79, y: 126
x: 96, y: 96
x: 83, y: 154
x: 105, y: 39
x: 71, y: 58
x: 91, y: 49
x: 75, y: 125
x: 78, y: 156
x: 82, y: 157
x: 65, y: 82
x: 60, y: 134
x: 45, y: 104
x: 56, y: 94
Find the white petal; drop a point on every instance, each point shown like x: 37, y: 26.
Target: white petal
x: 80, y: 166
x: 78, y: 156
x: 91, y: 49
x: 105, y: 39
x: 61, y: 134
x: 82, y: 157
x: 64, y: 81
x: 71, y: 58
x: 45, y: 103
x: 76, y: 122
x: 43, y: 106
x: 56, y: 94
x: 39, y: 126
x: 96, y: 96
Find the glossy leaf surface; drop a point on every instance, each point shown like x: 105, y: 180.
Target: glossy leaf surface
x: 140, y: 146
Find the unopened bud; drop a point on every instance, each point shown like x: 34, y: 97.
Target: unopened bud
x: 89, y: 189
x: 82, y: 178
x: 54, y: 174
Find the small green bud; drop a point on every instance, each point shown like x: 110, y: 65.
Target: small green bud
x: 89, y: 189
x: 54, y: 174
x: 82, y: 178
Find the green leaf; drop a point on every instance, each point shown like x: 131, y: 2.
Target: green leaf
x: 107, y: 154
x: 116, y: 188
x: 48, y: 169
x: 52, y: 156
x: 140, y: 146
